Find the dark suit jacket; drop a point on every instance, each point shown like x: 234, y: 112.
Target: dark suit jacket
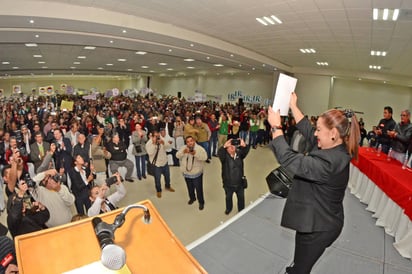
x: 320, y: 179
x: 35, y: 154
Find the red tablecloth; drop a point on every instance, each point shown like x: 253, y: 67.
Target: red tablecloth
x: 388, y: 176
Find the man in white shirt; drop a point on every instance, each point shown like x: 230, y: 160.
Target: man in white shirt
x: 101, y: 204
x: 55, y: 196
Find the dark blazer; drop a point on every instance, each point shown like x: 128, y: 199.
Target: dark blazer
x: 35, y: 154
x: 232, y: 169
x: 63, y: 157
x: 315, y: 200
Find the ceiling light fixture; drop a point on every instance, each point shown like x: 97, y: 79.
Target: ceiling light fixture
x: 73, y: 67
x: 99, y: 68
x: 272, y: 20
x: 129, y: 69
x: 15, y: 67
x: 5, y: 63
x: 76, y: 63
x: 81, y: 57
x: 44, y: 67
x: 122, y: 60
x: 170, y: 69
x: 89, y: 47
x: 322, y: 64
x: 190, y: 67
x: 111, y: 41
x: 170, y: 50
x: 109, y: 65
x: 144, y: 67
x: 162, y: 64
x: 141, y: 52
x: 188, y: 60
x: 37, y: 56
x: 309, y: 50
x: 30, y: 45
x: 207, y: 57
x: 192, y: 45
x: 41, y: 62
x: 385, y: 14
x: 124, y: 31
x: 218, y: 65
x: 31, y: 21
x: 378, y: 53
x: 37, y: 36
x: 375, y: 67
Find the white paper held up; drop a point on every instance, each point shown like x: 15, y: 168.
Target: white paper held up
x: 286, y: 85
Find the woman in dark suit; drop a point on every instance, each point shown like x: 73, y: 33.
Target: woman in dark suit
x: 314, y: 207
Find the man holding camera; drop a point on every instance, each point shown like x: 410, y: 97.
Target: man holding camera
x: 50, y: 191
x: 231, y: 155
x: 101, y: 204
x: 118, y: 151
x: 156, y: 149
x: 192, y: 158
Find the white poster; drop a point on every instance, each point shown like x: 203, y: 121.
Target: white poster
x: 286, y: 85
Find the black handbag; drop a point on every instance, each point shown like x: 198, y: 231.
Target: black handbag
x: 244, y: 182
x: 279, y: 182
x: 152, y: 165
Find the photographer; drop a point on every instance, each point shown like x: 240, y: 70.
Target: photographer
x: 50, y: 191
x: 156, y: 149
x: 139, y: 139
x: 231, y: 155
x: 14, y: 147
x: 192, y: 159
x: 101, y: 204
x: 82, y: 180
x: 24, y: 214
x: 118, y: 151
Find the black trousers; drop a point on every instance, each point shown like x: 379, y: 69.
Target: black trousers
x: 308, y: 249
x: 240, y: 193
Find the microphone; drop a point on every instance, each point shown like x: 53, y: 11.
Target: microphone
x: 112, y: 256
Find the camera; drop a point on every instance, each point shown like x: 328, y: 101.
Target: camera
x: 57, y: 144
x: 57, y: 178
x: 191, y: 149
x: 29, y: 182
x: 111, y: 180
x: 235, y: 142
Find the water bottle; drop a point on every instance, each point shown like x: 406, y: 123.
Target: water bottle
x: 379, y: 150
x: 405, y: 161
x: 389, y: 156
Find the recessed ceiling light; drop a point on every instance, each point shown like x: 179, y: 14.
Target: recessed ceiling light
x: 385, y: 14
x: 76, y: 63
x: 253, y: 68
x: 41, y: 62
x: 263, y: 65
x: 129, y: 69
x: 266, y: 20
x: 152, y: 71
x: 5, y: 63
x: 37, y: 36
x: 162, y: 64
x: 124, y: 31
x: 232, y: 55
x: 141, y: 52
x: 111, y: 41
x: 192, y: 45
x: 170, y: 69
x: 89, y: 47
x: 15, y: 67
x: 30, y: 45
x: 121, y: 60
x: 190, y: 67
x: 81, y: 57
x: 37, y: 56
x: 188, y: 60
x: 378, y: 53
x: 322, y: 63
x: 309, y: 50
x: 72, y: 67
x: 375, y: 67
x: 44, y: 67
x: 99, y: 68
x: 31, y: 21
x: 218, y: 65
x: 240, y: 65
x: 275, y: 69
x: 170, y: 50
x: 145, y: 67
x: 109, y: 65
x: 207, y: 57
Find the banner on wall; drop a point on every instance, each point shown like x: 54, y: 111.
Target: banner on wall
x: 16, y: 89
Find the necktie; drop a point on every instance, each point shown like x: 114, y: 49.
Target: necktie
x: 41, y: 150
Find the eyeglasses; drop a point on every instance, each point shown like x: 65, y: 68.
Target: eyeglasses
x: 403, y: 115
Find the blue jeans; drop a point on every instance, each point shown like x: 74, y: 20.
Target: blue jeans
x: 212, y: 146
x: 252, y: 138
x: 195, y: 184
x: 157, y: 176
x: 243, y: 135
x: 205, y: 145
x: 140, y: 166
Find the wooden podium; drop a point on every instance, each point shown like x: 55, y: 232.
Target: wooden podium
x: 150, y: 248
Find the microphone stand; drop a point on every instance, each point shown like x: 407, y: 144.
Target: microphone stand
x: 121, y: 218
